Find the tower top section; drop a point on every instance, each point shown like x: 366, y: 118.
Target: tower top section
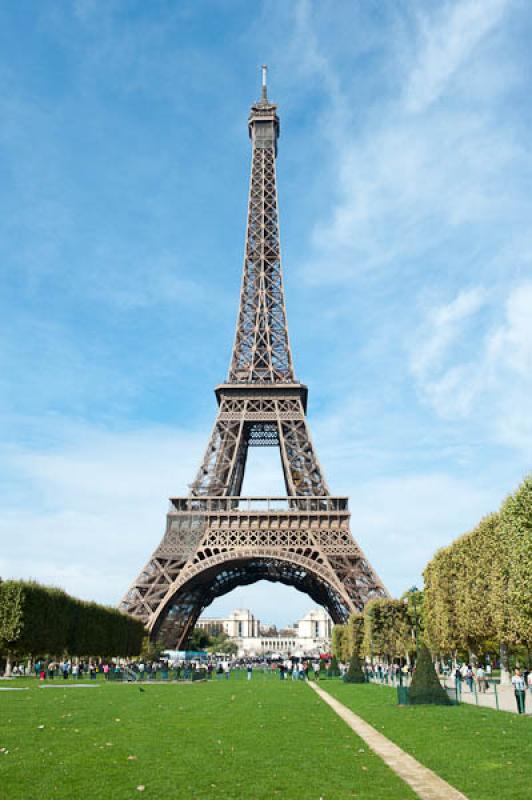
x: 261, y: 352
x: 263, y: 122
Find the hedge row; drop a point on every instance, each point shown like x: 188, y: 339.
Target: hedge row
x: 385, y: 629
x: 40, y: 620
x: 479, y: 589
x: 477, y: 596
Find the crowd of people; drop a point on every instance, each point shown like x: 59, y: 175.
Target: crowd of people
x: 78, y: 669
x: 476, y: 677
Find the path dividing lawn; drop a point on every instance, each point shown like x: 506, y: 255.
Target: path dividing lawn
x: 222, y: 739
x: 486, y: 754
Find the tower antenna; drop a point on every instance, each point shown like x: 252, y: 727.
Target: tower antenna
x: 264, y: 95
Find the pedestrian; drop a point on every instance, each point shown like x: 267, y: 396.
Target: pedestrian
x: 519, y: 690
x: 469, y: 677
x: 106, y: 671
x: 481, y: 678
x: 64, y: 669
x: 249, y: 670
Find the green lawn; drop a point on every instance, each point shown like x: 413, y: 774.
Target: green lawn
x: 484, y: 753
x: 225, y: 739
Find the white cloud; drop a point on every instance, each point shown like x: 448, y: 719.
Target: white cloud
x: 446, y: 323
x: 412, y: 187
x: 446, y: 43
x: 88, y: 514
x: 401, y: 520
x: 497, y: 376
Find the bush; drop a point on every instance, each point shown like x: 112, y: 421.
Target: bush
x: 354, y: 674
x: 333, y: 670
x: 43, y: 620
x: 425, y: 687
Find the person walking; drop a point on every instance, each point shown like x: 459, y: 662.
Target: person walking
x: 249, y: 670
x: 481, y: 678
x: 519, y: 690
x: 469, y: 677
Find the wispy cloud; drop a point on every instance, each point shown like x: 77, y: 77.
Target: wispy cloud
x: 446, y: 40
x: 94, y: 504
x: 445, y: 323
x: 495, y: 383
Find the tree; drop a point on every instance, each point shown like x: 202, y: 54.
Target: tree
x: 354, y: 674
x: 441, y: 625
x: 514, y: 615
x: 43, y: 620
x: 355, y: 633
x: 425, y: 687
x: 222, y: 643
x: 413, y: 600
x: 339, y: 642
x: 386, y: 628
x: 199, y: 639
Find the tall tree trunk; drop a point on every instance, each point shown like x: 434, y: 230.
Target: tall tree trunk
x: 9, y: 665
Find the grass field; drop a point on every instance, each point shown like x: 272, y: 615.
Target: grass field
x: 226, y: 739
x: 487, y: 754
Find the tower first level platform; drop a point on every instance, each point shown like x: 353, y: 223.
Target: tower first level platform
x: 214, y: 544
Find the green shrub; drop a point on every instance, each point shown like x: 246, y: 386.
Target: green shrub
x: 354, y: 674
x: 333, y: 670
x: 425, y: 687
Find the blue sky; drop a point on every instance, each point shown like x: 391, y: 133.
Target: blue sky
x: 404, y: 176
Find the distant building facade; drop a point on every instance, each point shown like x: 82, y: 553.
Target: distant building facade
x: 311, y: 635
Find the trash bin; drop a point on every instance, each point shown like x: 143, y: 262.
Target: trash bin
x: 402, y: 695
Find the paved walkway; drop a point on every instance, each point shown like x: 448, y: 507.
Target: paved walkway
x: 505, y: 697
x: 423, y: 781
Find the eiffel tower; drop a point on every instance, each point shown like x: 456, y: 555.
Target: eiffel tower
x: 216, y: 539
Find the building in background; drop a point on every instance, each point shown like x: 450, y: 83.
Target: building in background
x: 309, y: 636
x: 240, y: 624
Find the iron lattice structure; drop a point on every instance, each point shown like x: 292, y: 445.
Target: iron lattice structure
x: 215, y: 539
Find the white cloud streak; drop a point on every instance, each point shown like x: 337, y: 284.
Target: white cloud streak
x: 446, y: 42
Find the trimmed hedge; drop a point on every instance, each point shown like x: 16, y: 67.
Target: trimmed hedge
x: 42, y: 620
x: 425, y: 687
x: 354, y: 674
